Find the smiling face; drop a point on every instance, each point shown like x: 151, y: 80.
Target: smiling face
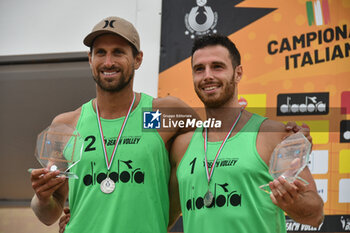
x: 214, y: 77
x: 112, y: 62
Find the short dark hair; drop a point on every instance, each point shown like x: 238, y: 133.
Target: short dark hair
x: 216, y: 39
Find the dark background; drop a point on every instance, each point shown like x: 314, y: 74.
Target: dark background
x: 33, y: 90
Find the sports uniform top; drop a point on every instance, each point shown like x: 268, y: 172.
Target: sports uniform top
x: 239, y: 205
x: 140, y: 170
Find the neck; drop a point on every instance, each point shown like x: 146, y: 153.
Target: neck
x: 226, y: 113
x: 113, y: 105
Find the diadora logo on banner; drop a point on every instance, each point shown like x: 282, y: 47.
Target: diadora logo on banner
x: 317, y: 13
x: 157, y: 120
x: 222, y: 198
x: 201, y: 20
x: 303, y: 104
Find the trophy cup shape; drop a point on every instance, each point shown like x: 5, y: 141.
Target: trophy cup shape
x: 289, y: 158
x: 59, y: 147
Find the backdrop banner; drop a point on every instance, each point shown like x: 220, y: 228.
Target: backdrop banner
x: 295, y: 58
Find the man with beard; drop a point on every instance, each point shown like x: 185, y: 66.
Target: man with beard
x: 216, y: 172
x: 122, y: 187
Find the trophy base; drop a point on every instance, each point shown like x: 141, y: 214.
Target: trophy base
x: 68, y: 175
x: 266, y: 187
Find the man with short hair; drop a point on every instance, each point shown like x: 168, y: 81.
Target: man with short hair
x: 122, y: 187
x: 216, y: 172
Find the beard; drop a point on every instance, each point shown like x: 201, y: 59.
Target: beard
x: 211, y: 101
x: 123, y: 81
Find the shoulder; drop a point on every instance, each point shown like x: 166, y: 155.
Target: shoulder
x: 168, y: 102
x: 69, y: 118
x: 271, y: 133
x: 173, y: 105
x: 272, y: 126
x: 179, y: 147
x: 184, y: 139
x: 175, y: 110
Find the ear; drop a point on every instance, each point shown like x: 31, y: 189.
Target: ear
x: 238, y: 73
x: 90, y: 58
x: 138, y: 60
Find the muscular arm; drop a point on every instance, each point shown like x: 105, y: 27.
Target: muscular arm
x: 174, y: 197
x: 178, y: 149
x: 50, y: 195
x: 301, y: 202
x: 51, y: 192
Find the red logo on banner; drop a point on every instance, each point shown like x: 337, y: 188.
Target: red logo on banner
x: 345, y: 102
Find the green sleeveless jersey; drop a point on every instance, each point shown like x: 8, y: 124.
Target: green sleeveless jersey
x: 140, y: 170
x: 239, y: 205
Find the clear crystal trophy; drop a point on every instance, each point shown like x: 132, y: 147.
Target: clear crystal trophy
x: 59, y: 147
x: 288, y: 159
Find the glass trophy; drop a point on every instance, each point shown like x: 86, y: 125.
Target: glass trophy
x: 59, y: 147
x: 289, y: 158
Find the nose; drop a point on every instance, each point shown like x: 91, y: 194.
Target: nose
x: 108, y: 62
x: 208, y: 73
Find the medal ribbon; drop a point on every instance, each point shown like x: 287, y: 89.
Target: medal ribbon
x: 209, y: 174
x: 109, y: 163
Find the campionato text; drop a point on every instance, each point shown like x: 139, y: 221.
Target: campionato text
x: 324, y: 54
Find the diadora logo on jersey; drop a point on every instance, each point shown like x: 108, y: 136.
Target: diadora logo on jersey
x: 151, y: 120
x: 223, y: 197
x: 125, y: 172
x: 303, y: 104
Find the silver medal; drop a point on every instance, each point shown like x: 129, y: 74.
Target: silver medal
x: 208, y: 199
x: 107, y: 185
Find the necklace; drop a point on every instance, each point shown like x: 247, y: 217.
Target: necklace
x: 209, y: 197
x: 108, y: 185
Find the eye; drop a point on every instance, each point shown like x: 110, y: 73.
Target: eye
x: 117, y: 52
x: 100, y: 52
x: 198, y: 68
x: 218, y: 66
